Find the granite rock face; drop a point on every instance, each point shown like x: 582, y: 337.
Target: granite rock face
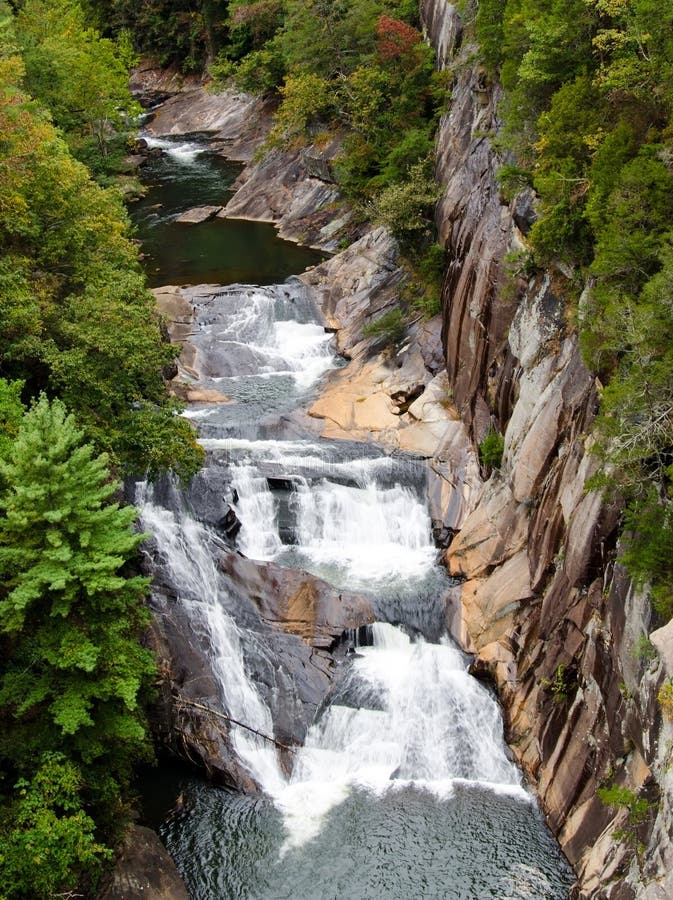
x: 543, y: 605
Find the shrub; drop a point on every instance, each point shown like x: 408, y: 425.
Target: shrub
x: 491, y: 449
x: 390, y: 327
x: 665, y: 698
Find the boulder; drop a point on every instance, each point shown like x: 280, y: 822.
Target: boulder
x: 198, y: 214
x: 144, y: 870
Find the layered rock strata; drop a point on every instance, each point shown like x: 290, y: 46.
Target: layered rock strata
x: 543, y: 605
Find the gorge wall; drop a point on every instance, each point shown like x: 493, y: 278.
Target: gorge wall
x: 543, y: 604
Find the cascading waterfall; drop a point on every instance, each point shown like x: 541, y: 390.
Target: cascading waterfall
x: 256, y: 511
x: 181, y: 152
x: 414, y: 716
x: 388, y: 530
x: 186, y: 551
x: 407, y: 712
x: 403, y: 786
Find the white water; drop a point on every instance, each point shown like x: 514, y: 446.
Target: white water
x: 418, y: 718
x: 256, y: 511
x: 371, y: 532
x: 184, y: 548
x: 182, y: 152
x: 430, y: 725
x: 255, y: 332
x: 367, y: 532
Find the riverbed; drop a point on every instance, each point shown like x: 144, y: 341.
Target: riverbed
x: 404, y: 786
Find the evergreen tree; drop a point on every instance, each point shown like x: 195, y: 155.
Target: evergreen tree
x: 72, y: 671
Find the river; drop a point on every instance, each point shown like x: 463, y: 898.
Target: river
x: 404, y: 786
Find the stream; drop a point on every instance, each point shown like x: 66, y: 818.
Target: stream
x: 403, y: 787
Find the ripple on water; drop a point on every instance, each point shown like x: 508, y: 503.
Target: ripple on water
x: 472, y: 845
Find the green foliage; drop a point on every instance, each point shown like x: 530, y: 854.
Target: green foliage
x: 11, y: 413
x: 405, y: 207
x: 490, y: 33
x: 71, y: 70
x: 624, y: 798
x: 491, y: 450
x: 48, y: 841
x: 183, y: 32
x: 512, y: 179
x: 562, y: 685
x: 389, y: 328
x: 75, y: 316
x: 305, y: 99
x: 644, y: 649
x: 665, y: 698
x: 72, y: 673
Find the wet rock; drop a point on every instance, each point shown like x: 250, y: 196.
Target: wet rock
x: 185, y: 717
x: 195, y: 394
x: 198, y: 214
x: 144, y: 870
x: 299, y: 603
x: 236, y: 122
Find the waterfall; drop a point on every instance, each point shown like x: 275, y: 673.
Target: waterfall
x: 371, y: 532
x: 181, y: 151
x: 407, y: 713
x: 256, y: 511
x: 403, y: 786
x: 185, y: 549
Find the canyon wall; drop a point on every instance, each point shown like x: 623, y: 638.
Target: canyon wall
x: 542, y: 602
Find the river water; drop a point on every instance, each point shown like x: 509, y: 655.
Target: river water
x: 404, y: 786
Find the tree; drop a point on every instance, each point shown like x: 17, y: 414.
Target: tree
x: 75, y: 316
x: 73, y: 672
x: 48, y: 841
x: 81, y: 77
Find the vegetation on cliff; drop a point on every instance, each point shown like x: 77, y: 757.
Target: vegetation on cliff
x: 588, y: 110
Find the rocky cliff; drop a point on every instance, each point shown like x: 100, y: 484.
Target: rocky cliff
x: 542, y: 604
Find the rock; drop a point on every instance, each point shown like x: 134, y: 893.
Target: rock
x: 144, y: 870
x: 177, y: 310
x: 198, y: 214
x: 495, y: 531
x: 357, y: 285
x: 524, y: 210
x: 282, y: 189
x: 151, y: 84
x: 444, y: 27
x: 195, y: 394
x: 662, y: 639
x: 237, y: 122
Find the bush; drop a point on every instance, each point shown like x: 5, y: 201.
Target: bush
x: 390, y: 327
x: 406, y: 208
x: 491, y: 449
x: 665, y: 698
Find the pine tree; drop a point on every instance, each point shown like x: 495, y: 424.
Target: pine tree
x: 73, y: 672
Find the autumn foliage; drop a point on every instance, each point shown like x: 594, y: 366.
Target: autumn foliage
x: 395, y: 38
